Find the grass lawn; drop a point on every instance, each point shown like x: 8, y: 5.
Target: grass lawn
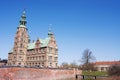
x: 95, y: 73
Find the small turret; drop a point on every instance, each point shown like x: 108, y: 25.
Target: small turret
x: 50, y: 33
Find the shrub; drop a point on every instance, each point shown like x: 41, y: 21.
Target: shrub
x: 114, y: 70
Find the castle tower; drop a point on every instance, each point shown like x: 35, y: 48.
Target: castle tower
x: 52, y: 50
x: 20, y: 43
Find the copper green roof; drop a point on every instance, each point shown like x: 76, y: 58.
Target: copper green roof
x: 23, y: 20
x: 22, y: 26
x: 44, y: 43
x: 11, y: 50
x: 31, y: 45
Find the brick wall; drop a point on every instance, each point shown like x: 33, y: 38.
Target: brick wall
x: 35, y: 74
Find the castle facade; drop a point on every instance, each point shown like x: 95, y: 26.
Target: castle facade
x: 40, y: 53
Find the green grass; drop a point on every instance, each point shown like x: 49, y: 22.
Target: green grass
x: 95, y: 73
x: 89, y: 74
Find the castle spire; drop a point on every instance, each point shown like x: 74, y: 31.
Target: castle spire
x: 23, y: 19
x: 50, y: 31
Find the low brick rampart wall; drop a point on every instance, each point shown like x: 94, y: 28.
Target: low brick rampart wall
x: 35, y: 74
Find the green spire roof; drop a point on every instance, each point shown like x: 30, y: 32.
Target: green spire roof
x: 23, y: 20
x: 50, y: 32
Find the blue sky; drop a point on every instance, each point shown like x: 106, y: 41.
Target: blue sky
x: 77, y: 24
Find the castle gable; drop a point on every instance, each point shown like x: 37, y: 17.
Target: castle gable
x: 44, y: 42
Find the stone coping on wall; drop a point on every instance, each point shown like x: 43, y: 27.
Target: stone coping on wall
x: 18, y: 73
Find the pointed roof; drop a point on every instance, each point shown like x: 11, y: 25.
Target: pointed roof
x: 50, y: 33
x: 23, y: 20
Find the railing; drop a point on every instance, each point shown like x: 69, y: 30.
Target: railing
x: 84, y: 77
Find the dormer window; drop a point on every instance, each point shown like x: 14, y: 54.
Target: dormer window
x: 37, y: 44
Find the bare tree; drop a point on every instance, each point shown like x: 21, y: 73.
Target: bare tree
x: 114, y: 70
x: 87, y: 60
x: 73, y: 65
x: 65, y: 65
